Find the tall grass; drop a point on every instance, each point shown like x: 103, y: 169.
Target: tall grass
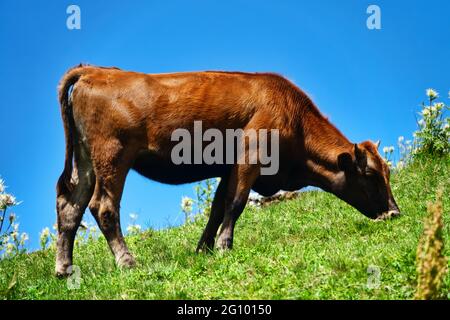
x: 431, y: 261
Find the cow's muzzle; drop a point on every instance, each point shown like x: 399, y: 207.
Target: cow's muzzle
x: 388, y: 215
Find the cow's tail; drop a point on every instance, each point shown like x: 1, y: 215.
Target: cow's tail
x: 69, y: 79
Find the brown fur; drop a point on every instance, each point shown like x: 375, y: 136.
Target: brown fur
x: 117, y: 120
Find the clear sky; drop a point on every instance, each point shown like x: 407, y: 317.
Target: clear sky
x: 368, y: 82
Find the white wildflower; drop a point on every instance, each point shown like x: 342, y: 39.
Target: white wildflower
x: 133, y: 229
x: 426, y: 111
x: 2, y: 186
x: 133, y: 216
x: 432, y: 94
x: 23, y: 237
x: 10, y: 248
x: 93, y: 229
x: 386, y: 150
x: 7, y: 200
x: 44, y: 237
x: 186, y: 204
x: 45, y: 233
x: 401, y: 139
x: 438, y: 106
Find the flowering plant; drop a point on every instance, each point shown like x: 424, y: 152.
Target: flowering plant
x: 134, y: 228
x: 12, y: 241
x: 204, y: 195
x: 433, y: 136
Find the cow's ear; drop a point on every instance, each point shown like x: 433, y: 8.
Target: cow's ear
x: 345, y: 162
x: 361, y: 158
x: 377, y: 144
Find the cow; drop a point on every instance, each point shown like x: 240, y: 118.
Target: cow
x: 117, y: 120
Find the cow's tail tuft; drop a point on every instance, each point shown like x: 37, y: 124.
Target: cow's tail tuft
x: 69, y: 79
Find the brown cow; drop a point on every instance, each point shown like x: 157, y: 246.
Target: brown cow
x: 115, y: 121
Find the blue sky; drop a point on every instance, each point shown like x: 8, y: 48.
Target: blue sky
x: 368, y: 82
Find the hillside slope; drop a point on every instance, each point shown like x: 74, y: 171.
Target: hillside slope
x: 312, y: 247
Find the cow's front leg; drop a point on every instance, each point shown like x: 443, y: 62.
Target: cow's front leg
x: 241, y: 181
x: 206, y: 242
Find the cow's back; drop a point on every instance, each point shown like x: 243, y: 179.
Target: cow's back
x: 154, y: 105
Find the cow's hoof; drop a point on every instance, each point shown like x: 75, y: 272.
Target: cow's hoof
x: 62, y: 274
x: 126, y: 261
x: 224, y: 244
x: 205, y: 247
x: 63, y: 271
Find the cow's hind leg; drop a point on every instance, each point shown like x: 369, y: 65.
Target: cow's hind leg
x: 111, y: 167
x: 206, y: 242
x: 70, y: 206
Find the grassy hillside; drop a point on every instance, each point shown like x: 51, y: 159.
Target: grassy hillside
x: 313, y: 247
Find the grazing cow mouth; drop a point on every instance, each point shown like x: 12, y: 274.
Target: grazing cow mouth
x: 388, y: 215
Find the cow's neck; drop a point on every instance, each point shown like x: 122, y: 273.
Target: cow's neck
x: 323, y: 144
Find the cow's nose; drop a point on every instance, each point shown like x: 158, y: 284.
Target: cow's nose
x: 394, y: 213
x: 388, y: 214
x: 393, y: 210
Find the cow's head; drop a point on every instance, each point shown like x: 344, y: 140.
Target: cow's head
x: 364, y: 182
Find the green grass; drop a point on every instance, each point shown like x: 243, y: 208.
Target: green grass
x: 313, y: 247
